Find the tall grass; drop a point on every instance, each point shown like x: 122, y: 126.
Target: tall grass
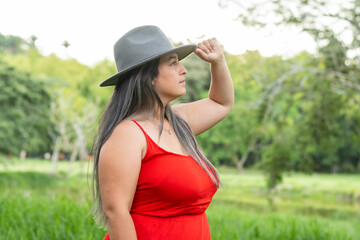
x: 37, y: 205
x: 229, y: 223
x: 43, y: 217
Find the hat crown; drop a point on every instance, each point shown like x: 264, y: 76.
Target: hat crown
x: 140, y: 44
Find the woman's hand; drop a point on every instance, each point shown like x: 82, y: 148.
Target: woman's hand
x: 209, y: 51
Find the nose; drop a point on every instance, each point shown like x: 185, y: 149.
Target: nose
x: 183, y: 70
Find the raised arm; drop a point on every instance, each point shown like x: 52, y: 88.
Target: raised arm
x: 119, y: 167
x: 203, y: 114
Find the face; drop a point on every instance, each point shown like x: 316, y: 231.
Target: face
x: 170, y: 82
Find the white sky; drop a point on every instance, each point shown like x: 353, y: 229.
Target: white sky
x: 93, y: 26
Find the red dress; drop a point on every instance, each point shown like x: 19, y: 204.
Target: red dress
x: 171, y: 197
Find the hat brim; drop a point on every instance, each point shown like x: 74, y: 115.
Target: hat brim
x: 181, y: 51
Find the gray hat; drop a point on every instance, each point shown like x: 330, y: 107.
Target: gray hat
x: 141, y: 45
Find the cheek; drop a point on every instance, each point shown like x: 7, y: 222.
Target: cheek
x: 165, y: 80
x: 161, y: 82
x: 158, y: 85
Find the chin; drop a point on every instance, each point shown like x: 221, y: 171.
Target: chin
x: 182, y: 94
x: 179, y: 95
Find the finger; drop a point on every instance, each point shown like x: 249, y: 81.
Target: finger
x: 207, y: 45
x: 203, y: 47
x: 201, y: 53
x: 212, y: 43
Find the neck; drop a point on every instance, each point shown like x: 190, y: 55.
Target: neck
x: 162, y: 124
x: 158, y: 113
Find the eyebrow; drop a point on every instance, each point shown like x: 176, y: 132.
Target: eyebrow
x: 172, y: 57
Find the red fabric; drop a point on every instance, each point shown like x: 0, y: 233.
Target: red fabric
x: 171, y: 197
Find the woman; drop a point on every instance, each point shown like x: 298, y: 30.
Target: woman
x: 151, y: 179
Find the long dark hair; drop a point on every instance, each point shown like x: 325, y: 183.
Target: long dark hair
x: 133, y: 96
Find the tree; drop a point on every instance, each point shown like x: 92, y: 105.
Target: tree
x: 12, y: 44
x: 33, y: 39
x: 75, y: 103
x: 25, y: 109
x: 66, y: 45
x: 314, y: 95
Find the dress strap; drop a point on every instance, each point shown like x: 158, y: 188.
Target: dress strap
x: 148, y: 142
x: 140, y: 127
x: 148, y: 138
x: 153, y: 147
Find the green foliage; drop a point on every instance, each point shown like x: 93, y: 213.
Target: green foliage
x: 76, y: 98
x: 12, y: 44
x: 62, y: 73
x: 89, y: 88
x: 310, y: 101
x: 275, y: 160
x: 25, y: 109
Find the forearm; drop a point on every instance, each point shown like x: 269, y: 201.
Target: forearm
x: 221, y: 87
x: 121, y: 226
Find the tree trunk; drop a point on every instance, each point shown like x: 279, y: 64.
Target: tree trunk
x: 23, y: 155
x: 243, y: 159
x: 240, y: 166
x: 245, y: 156
x: 55, y: 155
x: 81, y: 145
x: 73, y: 158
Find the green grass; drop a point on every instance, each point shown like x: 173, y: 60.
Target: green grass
x: 234, y: 223
x: 45, y: 217
x: 37, y: 205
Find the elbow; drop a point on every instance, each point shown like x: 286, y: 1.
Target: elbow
x: 112, y: 213
x: 230, y: 104
x: 109, y: 213
x: 228, y: 101
x: 226, y: 108
x: 229, y: 107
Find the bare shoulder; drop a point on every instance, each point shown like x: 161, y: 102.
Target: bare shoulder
x: 126, y: 137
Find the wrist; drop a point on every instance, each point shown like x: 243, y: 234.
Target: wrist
x: 219, y: 61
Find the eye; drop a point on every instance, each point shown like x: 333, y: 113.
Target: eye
x: 173, y: 63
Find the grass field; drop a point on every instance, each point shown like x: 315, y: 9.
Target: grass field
x: 37, y: 205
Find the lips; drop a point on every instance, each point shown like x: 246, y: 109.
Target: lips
x: 182, y: 82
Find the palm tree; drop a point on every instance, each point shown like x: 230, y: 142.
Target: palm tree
x: 66, y: 44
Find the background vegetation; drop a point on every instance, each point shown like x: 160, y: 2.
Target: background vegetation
x: 296, y: 121
x: 38, y: 205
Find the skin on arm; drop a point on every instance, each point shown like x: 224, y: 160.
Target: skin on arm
x: 119, y: 167
x: 203, y: 114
